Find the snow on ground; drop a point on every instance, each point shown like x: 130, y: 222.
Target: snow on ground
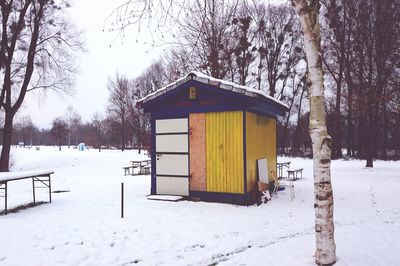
x: 83, y: 226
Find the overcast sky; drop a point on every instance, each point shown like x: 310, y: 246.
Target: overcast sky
x: 95, y: 65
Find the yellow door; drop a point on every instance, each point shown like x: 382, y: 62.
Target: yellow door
x: 224, y: 152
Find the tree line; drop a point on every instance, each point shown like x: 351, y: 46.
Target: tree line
x: 260, y: 45
x: 38, y: 47
x: 255, y: 44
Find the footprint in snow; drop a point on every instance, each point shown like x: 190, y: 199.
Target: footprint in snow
x: 132, y: 262
x: 198, y: 245
x: 112, y: 244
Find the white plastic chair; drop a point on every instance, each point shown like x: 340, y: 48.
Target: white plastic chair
x: 283, y: 183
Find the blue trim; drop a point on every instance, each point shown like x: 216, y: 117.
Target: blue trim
x: 165, y: 115
x: 239, y: 199
x: 153, y: 187
x: 201, y: 86
x: 184, y: 112
x: 188, y: 154
x: 258, y: 112
x: 230, y: 100
x: 244, y: 152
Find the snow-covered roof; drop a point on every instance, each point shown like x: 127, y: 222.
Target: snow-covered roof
x: 7, y: 176
x: 205, y: 79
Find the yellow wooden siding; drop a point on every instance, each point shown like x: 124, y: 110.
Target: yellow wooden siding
x: 260, y: 143
x: 224, y: 152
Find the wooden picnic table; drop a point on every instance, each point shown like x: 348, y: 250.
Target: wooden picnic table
x: 38, y: 176
x: 280, y: 167
x: 143, y: 165
x: 292, y: 174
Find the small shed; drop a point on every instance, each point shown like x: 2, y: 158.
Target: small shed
x: 206, y: 137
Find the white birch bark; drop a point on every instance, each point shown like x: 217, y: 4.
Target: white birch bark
x: 308, y: 13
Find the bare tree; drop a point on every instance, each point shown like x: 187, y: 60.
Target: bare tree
x: 73, y: 120
x: 279, y: 47
x: 308, y: 13
x: 99, y: 128
x: 120, y: 96
x: 26, y: 128
x: 334, y: 58
x: 59, y: 131
x: 36, y: 52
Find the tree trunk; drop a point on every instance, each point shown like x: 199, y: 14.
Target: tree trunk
x: 140, y: 142
x: 370, y: 139
x: 7, y: 138
x: 325, y: 254
x: 385, y: 131
x: 123, y: 131
x: 350, y: 131
x: 338, y: 118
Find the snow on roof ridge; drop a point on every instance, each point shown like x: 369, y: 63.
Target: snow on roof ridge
x: 203, y: 78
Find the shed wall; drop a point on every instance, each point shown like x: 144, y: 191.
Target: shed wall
x: 224, y: 152
x: 260, y: 143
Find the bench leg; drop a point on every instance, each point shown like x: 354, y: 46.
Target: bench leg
x: 33, y: 189
x: 49, y: 189
x: 5, y: 196
x: 5, y: 199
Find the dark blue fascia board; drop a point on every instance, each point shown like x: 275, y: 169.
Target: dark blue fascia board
x: 177, y: 113
x: 266, y: 110
x: 169, y: 115
x: 155, y: 103
x: 238, y: 101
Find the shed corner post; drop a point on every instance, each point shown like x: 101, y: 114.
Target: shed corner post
x: 244, y: 154
x: 153, y: 155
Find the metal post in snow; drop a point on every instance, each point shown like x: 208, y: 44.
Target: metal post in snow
x: 122, y: 200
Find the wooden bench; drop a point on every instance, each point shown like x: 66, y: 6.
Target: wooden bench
x: 145, y: 170
x: 143, y: 165
x: 127, y: 169
x: 292, y: 174
x: 280, y: 167
x: 38, y: 176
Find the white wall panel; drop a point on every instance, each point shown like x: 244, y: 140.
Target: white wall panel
x: 172, y: 164
x: 172, y: 143
x: 172, y: 186
x: 171, y: 125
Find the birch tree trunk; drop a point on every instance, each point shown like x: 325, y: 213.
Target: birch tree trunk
x: 308, y: 13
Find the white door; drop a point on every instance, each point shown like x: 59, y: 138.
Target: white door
x: 172, y: 154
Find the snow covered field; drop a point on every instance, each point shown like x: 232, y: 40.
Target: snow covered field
x: 83, y: 226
